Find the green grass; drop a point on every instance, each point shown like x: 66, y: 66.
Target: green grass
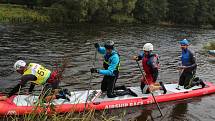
x: 209, y: 46
x: 48, y: 113
x: 20, y: 14
x: 87, y: 116
x: 120, y: 18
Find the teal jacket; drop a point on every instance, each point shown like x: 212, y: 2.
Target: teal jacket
x: 113, y: 62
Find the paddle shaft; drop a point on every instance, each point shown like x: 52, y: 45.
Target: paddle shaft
x: 150, y: 91
x: 89, y: 84
x: 180, y: 71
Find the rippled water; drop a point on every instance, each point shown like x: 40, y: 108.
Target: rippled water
x: 48, y: 44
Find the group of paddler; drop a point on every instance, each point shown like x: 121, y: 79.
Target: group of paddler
x: 150, y: 63
x: 39, y: 75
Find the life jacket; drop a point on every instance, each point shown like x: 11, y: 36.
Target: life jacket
x: 150, y: 62
x: 186, y: 58
x: 107, y: 62
x: 39, y: 71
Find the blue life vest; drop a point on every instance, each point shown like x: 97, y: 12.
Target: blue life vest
x: 107, y: 61
x: 186, y: 57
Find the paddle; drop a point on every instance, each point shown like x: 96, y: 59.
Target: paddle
x: 91, y: 78
x: 150, y: 91
x: 179, y: 73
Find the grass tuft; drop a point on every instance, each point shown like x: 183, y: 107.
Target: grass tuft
x: 209, y: 46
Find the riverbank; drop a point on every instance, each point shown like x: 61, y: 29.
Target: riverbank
x: 10, y: 13
x: 20, y: 14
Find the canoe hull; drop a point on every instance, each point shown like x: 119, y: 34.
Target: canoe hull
x: 24, y: 104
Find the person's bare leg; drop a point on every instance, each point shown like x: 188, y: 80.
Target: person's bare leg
x: 154, y: 88
x: 52, y: 96
x: 156, y: 84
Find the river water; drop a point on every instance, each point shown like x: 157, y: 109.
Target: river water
x: 47, y: 44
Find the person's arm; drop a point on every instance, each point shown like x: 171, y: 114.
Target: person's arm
x: 112, y: 67
x: 101, y: 50
x: 154, y: 66
x: 193, y: 61
x: 24, y: 80
x: 140, y: 56
x: 154, y: 62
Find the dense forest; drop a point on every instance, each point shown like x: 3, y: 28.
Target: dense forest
x: 189, y: 12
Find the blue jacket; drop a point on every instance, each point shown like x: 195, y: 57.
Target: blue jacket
x: 113, y: 62
x: 188, y: 59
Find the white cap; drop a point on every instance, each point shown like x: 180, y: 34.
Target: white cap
x: 148, y: 47
x: 19, y: 64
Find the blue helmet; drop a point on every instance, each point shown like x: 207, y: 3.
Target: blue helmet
x: 184, y: 42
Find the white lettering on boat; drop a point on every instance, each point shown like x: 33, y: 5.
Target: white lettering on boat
x: 122, y: 105
x: 150, y: 101
x: 11, y: 112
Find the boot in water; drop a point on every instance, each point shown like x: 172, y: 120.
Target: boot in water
x: 163, y: 87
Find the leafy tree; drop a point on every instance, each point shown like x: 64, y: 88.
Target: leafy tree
x: 99, y: 11
x: 128, y: 6
x: 150, y: 11
x: 211, y: 4
x: 202, y: 13
x: 182, y: 11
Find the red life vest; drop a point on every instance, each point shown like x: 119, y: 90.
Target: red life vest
x: 148, y: 68
x: 54, y: 76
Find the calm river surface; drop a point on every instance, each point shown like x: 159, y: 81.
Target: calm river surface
x: 48, y: 44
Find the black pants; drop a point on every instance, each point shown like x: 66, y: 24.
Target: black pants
x: 144, y: 88
x: 49, y: 87
x: 108, y: 84
x: 188, y: 80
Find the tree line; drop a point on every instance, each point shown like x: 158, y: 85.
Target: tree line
x: 192, y: 12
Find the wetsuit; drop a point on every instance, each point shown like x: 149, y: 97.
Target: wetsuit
x: 39, y: 75
x: 150, y: 65
x: 188, y: 75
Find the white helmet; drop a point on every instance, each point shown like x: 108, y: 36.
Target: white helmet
x: 148, y: 47
x: 19, y: 64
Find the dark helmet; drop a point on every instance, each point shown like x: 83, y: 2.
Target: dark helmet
x: 109, y: 44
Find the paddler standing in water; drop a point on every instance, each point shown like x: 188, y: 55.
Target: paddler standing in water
x: 150, y: 63
x: 188, y: 67
x: 38, y: 75
x: 111, y: 71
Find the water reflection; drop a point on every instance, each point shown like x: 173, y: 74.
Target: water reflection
x: 178, y: 112
x: 146, y: 115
